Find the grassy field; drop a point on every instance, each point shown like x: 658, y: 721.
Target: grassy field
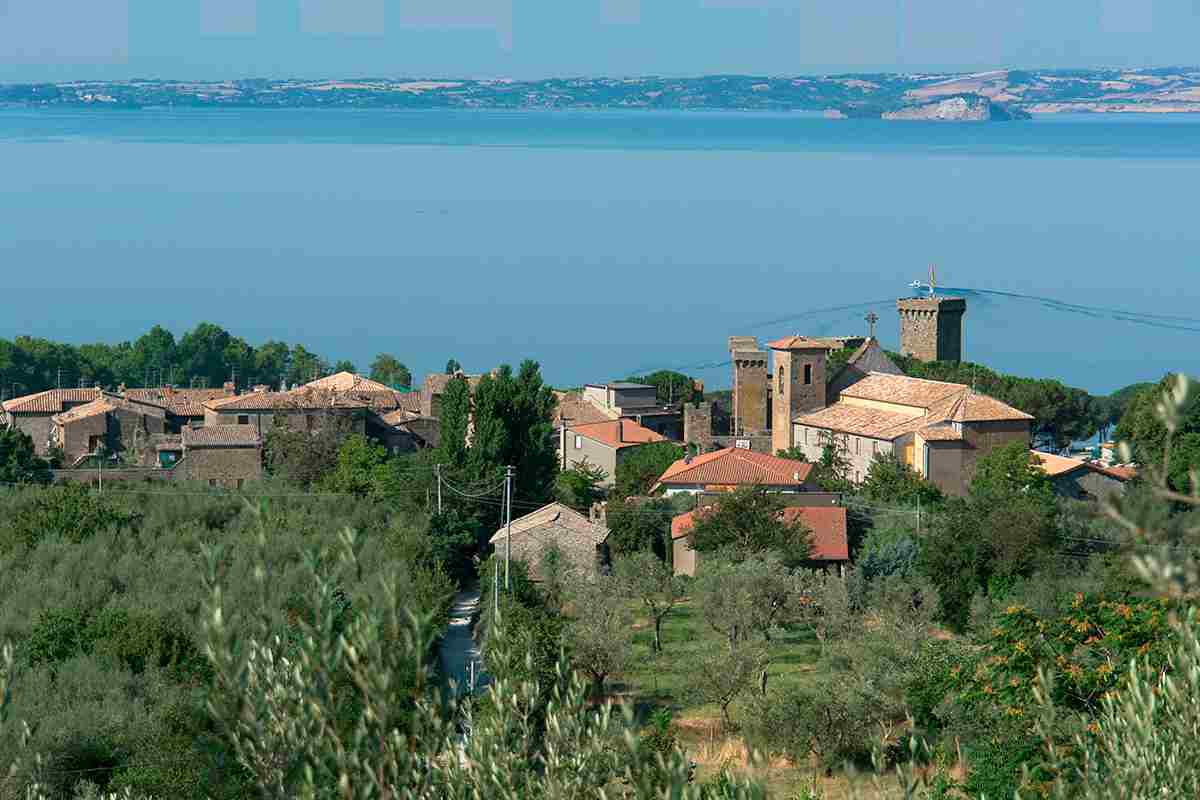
x: 664, y: 681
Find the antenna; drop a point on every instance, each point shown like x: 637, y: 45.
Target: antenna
x: 932, y: 281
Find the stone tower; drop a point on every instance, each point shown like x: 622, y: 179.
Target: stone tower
x: 798, y: 384
x: 750, y: 385
x: 931, y: 327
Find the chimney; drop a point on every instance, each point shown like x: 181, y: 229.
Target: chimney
x: 230, y: 389
x: 121, y: 388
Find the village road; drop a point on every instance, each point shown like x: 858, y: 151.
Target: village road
x: 458, y: 652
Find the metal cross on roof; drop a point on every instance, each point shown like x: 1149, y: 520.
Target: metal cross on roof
x: 871, y: 319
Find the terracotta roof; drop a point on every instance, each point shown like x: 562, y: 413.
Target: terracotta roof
x: 399, y: 417
x: 179, y: 402
x: 617, y: 433
x: 930, y: 402
x: 1121, y: 473
x: 940, y: 433
x: 902, y: 390
x: 302, y: 399
x: 348, y: 381
x: 873, y: 423
x: 221, y: 436
x: 1054, y: 465
x: 804, y: 343
x: 104, y: 404
x: 577, y: 410
x: 101, y: 405
x: 827, y: 525
x: 736, y: 467
x: 49, y: 402
x: 556, y: 524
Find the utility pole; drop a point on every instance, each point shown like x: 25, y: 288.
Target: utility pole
x: 871, y: 319
x: 508, y: 476
x: 918, y: 516
x: 438, y: 468
x: 58, y: 380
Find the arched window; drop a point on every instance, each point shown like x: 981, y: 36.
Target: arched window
x: 781, y: 380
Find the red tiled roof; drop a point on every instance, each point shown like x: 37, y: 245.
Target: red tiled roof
x: 617, y: 433
x: 827, y: 525
x: 221, y: 436
x: 940, y: 433
x: 577, y: 410
x: 348, y: 381
x: 873, y: 423
x: 902, y: 390
x: 736, y: 467
x: 1118, y: 472
x: 302, y: 399
x: 50, y: 401
x: 104, y: 404
x: 180, y: 402
x: 1054, y: 465
x: 803, y: 343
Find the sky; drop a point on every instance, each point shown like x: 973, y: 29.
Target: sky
x: 54, y: 40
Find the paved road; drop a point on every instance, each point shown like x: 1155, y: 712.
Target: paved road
x: 458, y: 651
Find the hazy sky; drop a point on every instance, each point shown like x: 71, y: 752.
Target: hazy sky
x: 64, y: 39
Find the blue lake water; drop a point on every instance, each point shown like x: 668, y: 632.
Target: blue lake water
x: 602, y: 243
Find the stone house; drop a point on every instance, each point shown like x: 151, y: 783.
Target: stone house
x: 1082, y: 480
x: 33, y: 414
x: 579, y: 539
x: 302, y: 409
x: 602, y: 444
x: 184, y: 407
x: 824, y: 519
x: 220, y: 455
x: 731, y: 468
x: 938, y: 429
x: 119, y: 425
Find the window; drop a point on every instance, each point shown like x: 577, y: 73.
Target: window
x: 578, y: 442
x: 857, y: 443
x: 212, y: 481
x: 781, y: 380
x: 240, y: 482
x: 243, y: 419
x: 807, y: 374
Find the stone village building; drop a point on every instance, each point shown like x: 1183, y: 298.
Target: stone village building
x: 869, y: 407
x: 602, y: 444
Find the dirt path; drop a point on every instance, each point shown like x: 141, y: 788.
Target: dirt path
x: 458, y: 652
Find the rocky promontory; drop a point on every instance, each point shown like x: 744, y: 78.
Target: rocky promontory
x: 964, y: 108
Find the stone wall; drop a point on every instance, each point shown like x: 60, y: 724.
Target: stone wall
x: 36, y: 427
x: 931, y: 327
x: 91, y: 477
x: 751, y: 385
x: 698, y: 425
x: 227, y: 467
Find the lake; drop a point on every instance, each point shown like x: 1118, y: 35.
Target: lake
x: 603, y: 243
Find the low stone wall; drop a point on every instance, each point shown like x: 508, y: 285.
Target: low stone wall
x: 91, y: 476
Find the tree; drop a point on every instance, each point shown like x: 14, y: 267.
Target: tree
x: 669, y: 386
x: 890, y: 480
x: 747, y: 522
x: 581, y: 485
x: 646, y: 578
x: 18, y: 463
x: 453, y: 418
x: 752, y: 596
x: 344, y: 365
x: 1144, y: 429
x: 720, y: 677
x: 453, y: 367
x: 512, y: 426
x: 558, y: 577
x: 638, y: 527
x: 1000, y: 532
x: 302, y: 457
x: 454, y: 539
x: 363, y: 469
x: 832, y: 471
x: 640, y: 469
x: 600, y: 634
x: 386, y: 368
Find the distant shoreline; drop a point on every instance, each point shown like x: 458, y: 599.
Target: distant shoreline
x: 982, y: 96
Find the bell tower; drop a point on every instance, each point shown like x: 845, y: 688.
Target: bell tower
x: 797, y: 383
